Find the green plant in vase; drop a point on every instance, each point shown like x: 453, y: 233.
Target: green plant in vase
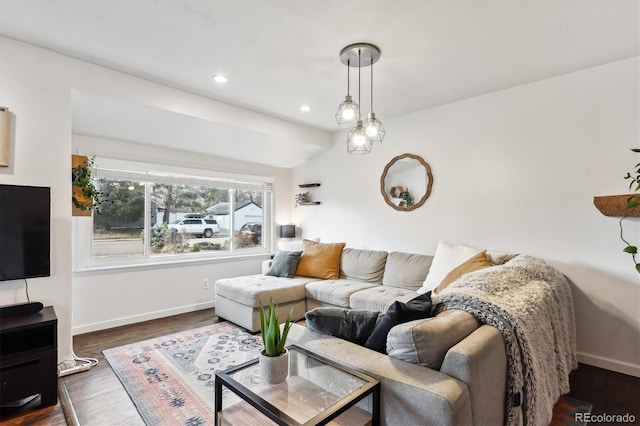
x: 273, y: 338
x: 274, y: 359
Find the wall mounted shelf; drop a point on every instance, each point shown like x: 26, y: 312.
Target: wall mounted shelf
x: 308, y: 203
x: 615, y: 205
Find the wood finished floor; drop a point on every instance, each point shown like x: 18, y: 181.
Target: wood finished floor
x: 97, y: 395
x: 100, y: 400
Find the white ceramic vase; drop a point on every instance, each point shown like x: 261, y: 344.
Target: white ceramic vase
x: 274, y: 369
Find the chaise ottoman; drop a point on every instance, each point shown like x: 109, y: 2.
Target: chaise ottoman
x: 238, y: 299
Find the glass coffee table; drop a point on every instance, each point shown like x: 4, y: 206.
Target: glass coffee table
x: 317, y: 392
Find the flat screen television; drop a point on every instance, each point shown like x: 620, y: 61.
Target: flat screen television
x: 25, y: 230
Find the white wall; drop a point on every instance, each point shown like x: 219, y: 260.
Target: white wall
x: 514, y: 170
x: 40, y: 154
x: 36, y: 85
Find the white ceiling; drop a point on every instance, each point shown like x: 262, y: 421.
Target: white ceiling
x: 282, y: 54
x: 108, y: 117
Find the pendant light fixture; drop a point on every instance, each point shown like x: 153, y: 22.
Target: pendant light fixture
x: 348, y: 110
x: 359, y: 141
x: 373, y: 127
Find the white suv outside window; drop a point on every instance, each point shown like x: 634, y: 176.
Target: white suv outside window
x: 196, y: 226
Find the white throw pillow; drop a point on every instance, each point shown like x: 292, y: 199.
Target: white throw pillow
x: 447, y: 257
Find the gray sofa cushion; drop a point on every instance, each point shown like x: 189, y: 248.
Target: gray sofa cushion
x: 406, y: 270
x: 380, y: 297
x: 426, y: 342
x: 335, y: 292
x: 363, y: 265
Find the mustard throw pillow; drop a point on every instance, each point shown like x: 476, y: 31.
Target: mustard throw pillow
x: 320, y: 260
x: 477, y: 262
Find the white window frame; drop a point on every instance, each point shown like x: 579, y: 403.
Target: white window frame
x: 145, y: 172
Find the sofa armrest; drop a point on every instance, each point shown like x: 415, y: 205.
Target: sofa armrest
x: 427, y: 341
x: 480, y: 361
x: 266, y: 265
x: 410, y: 394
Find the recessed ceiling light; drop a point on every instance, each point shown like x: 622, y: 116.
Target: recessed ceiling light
x: 305, y: 108
x: 219, y: 78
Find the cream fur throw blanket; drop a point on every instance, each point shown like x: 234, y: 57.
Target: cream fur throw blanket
x: 530, y: 303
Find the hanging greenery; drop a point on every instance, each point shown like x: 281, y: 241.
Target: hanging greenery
x: 632, y: 203
x: 85, y: 194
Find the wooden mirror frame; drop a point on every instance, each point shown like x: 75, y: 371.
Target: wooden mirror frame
x: 429, y: 183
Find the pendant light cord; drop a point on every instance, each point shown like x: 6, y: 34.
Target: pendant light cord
x: 359, y: 103
x: 371, y: 106
x: 348, y: 80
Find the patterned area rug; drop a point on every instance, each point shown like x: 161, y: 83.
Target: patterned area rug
x: 570, y: 412
x: 170, y: 379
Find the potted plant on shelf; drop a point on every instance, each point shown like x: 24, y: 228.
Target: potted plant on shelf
x: 624, y: 206
x: 274, y: 358
x: 633, y: 202
x: 302, y: 198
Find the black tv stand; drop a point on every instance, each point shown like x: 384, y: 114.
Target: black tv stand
x: 18, y: 309
x: 28, y: 357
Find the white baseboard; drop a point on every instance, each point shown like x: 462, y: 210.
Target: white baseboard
x: 610, y: 364
x: 117, y: 322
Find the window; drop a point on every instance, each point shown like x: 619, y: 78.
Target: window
x: 151, y: 215
x: 119, y: 228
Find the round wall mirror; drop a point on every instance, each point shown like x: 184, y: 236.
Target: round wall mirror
x: 406, y: 182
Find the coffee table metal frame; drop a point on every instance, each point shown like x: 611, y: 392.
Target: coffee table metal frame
x: 371, y: 387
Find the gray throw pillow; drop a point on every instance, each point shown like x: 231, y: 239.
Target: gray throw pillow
x: 354, y: 325
x: 284, y: 264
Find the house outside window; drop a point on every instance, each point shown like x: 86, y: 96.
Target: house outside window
x: 150, y: 214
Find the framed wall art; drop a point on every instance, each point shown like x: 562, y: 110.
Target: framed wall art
x: 4, y: 136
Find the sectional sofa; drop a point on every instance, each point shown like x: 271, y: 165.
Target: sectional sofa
x: 368, y: 280
x: 450, y: 369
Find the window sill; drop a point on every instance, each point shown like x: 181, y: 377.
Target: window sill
x: 168, y: 262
